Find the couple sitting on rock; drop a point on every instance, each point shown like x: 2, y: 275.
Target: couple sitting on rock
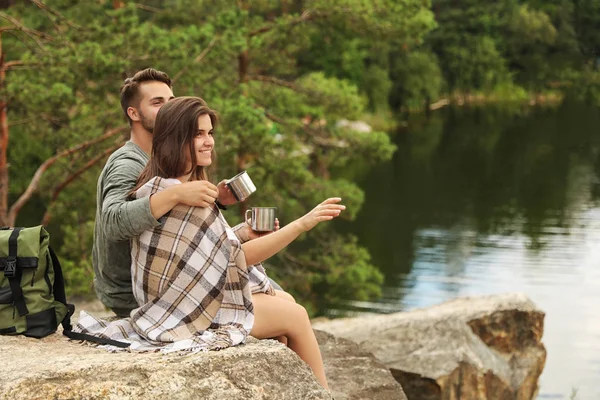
x: 191, y: 281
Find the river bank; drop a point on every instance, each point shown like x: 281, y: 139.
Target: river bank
x: 510, y: 97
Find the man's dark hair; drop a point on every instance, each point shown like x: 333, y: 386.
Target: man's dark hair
x: 130, y: 91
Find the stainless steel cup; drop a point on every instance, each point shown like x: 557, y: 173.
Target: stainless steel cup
x: 262, y: 219
x: 241, y: 186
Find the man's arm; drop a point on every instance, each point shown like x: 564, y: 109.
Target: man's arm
x: 122, y: 219
x: 194, y: 193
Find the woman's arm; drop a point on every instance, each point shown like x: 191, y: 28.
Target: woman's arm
x: 261, y: 248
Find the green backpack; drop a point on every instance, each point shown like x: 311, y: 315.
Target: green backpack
x: 32, y: 287
x: 29, y: 284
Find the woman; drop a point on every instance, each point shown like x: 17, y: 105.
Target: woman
x: 198, y: 287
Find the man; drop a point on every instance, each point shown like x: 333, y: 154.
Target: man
x: 118, y: 220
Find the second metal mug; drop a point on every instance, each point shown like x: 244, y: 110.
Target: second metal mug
x: 262, y: 219
x: 241, y: 186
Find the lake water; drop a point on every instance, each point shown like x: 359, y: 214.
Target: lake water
x: 482, y: 201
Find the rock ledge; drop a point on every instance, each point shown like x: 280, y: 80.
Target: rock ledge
x: 470, y: 348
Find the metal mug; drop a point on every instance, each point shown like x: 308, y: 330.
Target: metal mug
x: 241, y: 186
x: 262, y: 219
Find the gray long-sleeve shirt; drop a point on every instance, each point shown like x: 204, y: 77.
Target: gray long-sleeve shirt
x: 117, y: 221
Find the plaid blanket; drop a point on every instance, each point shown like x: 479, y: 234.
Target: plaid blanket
x: 191, y: 281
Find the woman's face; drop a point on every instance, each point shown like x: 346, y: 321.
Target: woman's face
x: 203, y: 141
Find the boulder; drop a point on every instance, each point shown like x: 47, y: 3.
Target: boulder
x: 353, y: 373
x: 470, y: 348
x: 56, y: 368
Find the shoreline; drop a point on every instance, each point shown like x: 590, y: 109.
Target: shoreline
x: 388, y: 121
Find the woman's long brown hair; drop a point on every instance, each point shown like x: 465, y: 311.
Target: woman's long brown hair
x: 175, y: 127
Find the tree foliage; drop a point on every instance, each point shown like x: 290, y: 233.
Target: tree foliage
x: 278, y: 118
x: 484, y: 46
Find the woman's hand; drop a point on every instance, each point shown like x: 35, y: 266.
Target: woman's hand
x: 326, y: 211
x: 255, y: 235
x: 226, y: 196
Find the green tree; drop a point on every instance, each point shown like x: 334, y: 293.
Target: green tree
x: 587, y: 26
x: 417, y: 79
x: 466, y: 43
x: 363, y: 54
x: 482, y: 44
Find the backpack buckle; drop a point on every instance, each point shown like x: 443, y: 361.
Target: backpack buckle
x: 10, y: 269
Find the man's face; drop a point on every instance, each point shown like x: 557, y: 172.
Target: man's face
x: 153, y: 96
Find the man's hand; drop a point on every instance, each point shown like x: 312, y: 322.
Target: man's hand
x: 225, y: 196
x: 197, y: 193
x: 194, y: 193
x: 254, y: 235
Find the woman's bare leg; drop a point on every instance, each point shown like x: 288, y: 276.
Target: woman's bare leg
x: 274, y: 317
x: 281, y: 339
x: 284, y: 295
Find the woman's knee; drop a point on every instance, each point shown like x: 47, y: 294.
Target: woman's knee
x: 300, y: 314
x: 274, y: 316
x: 284, y: 295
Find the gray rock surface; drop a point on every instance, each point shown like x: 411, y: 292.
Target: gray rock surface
x: 55, y: 368
x: 470, y: 348
x: 353, y: 373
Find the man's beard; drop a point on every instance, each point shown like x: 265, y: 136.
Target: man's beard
x: 147, y: 123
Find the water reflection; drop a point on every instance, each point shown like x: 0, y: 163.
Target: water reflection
x: 488, y: 201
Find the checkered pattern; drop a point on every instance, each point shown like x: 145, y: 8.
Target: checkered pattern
x: 191, y: 280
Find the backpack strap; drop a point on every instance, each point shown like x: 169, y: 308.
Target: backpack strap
x: 60, y: 295
x: 13, y: 273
